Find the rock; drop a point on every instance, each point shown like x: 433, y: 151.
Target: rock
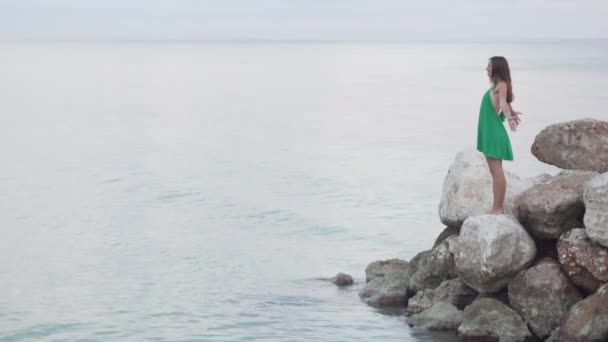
x: 584, y: 261
x: 501, y: 296
x: 446, y: 233
x: 596, y: 202
x: 382, y: 267
x: 429, y: 268
x: 542, y: 295
x: 587, y: 319
x: 342, y: 279
x: 574, y: 145
x: 548, y: 209
x: 467, y: 189
x: 453, y: 291
x: 389, y: 290
x: 491, y: 250
x: 440, y: 316
x: 555, y: 336
x: 490, y: 320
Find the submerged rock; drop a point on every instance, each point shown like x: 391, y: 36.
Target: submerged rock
x: 342, y: 279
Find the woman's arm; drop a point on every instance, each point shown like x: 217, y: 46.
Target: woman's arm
x: 505, y: 107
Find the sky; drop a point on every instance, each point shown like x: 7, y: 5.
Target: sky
x: 303, y: 19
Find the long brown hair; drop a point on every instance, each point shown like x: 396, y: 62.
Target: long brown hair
x: 501, y: 72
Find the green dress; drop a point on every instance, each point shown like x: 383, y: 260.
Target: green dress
x: 492, y: 138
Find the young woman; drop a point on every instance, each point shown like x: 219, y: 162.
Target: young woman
x: 492, y: 138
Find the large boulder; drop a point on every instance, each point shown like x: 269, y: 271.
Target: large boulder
x: 587, y: 320
x: 488, y: 319
x: 491, y: 250
x: 596, y: 202
x: 440, y: 316
x: 380, y: 268
x: 430, y: 268
x: 542, y: 295
x: 548, y: 209
x: 574, y: 145
x: 453, y: 291
x: 584, y: 261
x: 467, y: 189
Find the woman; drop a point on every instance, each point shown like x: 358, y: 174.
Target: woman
x: 492, y: 138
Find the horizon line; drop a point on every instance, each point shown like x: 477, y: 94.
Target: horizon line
x: 301, y: 40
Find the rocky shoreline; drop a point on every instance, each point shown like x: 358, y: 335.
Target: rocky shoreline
x: 539, y: 272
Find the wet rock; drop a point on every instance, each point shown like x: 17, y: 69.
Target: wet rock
x: 342, y: 279
x: 440, y: 316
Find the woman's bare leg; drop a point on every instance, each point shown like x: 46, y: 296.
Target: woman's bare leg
x: 499, y: 185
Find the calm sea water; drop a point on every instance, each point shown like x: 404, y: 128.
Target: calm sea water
x: 205, y: 191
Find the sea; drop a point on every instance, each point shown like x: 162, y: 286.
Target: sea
x: 208, y: 190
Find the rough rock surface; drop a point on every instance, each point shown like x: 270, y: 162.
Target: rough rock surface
x: 467, y: 189
x: 587, y: 319
x: 453, y: 291
x: 542, y: 295
x: 574, y: 145
x: 548, y: 209
x: 596, y: 202
x: 489, y: 319
x: 491, y: 250
x: 584, y: 261
x: 440, y: 316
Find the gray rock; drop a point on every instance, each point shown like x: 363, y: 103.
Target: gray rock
x: 574, y: 145
x: 596, y: 202
x: 548, y: 209
x: 491, y: 250
x: 584, y: 261
x: 501, y: 296
x: 542, y: 295
x: 429, y: 268
x: 555, y: 336
x: 588, y: 319
x: 453, y: 291
x: 467, y: 189
x: 490, y: 319
x: 446, y: 233
x: 381, y: 268
x: 390, y: 290
x: 342, y: 279
x: 440, y: 316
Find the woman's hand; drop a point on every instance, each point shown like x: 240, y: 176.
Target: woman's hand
x: 514, y: 120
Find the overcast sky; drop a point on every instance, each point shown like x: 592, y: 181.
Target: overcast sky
x: 302, y: 19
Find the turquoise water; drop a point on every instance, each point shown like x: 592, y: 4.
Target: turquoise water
x: 206, y: 191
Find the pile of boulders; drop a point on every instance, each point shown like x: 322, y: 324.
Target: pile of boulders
x: 538, y: 272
